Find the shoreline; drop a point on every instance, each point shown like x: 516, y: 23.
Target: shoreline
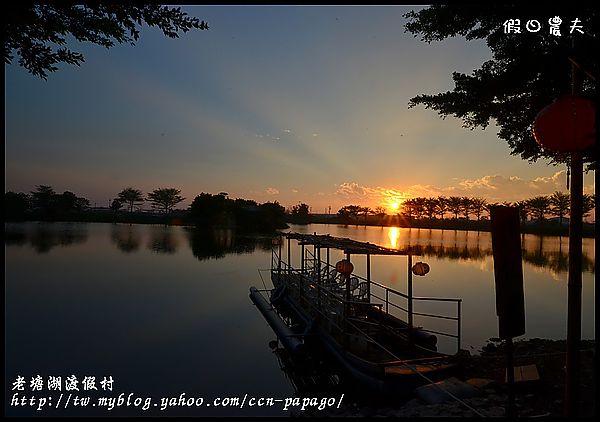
x: 450, y: 225
x: 485, y: 374
x: 483, y: 226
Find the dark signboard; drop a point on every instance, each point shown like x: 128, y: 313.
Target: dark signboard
x: 508, y: 271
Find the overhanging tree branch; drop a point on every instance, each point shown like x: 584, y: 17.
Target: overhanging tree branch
x: 36, y: 33
x: 526, y: 73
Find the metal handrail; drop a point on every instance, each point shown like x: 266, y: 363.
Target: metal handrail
x: 324, y: 275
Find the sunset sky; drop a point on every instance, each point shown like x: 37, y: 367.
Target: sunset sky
x: 286, y: 103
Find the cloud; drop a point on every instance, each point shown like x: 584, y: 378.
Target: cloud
x: 315, y: 135
x: 272, y: 191
x: 512, y: 188
x: 353, y: 189
x: 363, y: 195
x: 287, y: 130
x: 557, y: 181
x: 494, y: 188
x: 295, y: 191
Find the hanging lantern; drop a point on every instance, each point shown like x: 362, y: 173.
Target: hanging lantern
x: 566, y: 125
x: 420, y: 268
x: 344, y: 267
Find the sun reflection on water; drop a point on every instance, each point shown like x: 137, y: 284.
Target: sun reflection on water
x: 394, y: 235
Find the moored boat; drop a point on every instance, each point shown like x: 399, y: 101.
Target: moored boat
x: 366, y: 326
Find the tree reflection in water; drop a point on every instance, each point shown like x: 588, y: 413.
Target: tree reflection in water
x: 43, y: 237
x: 126, y: 237
x: 212, y: 243
x: 536, y: 250
x: 163, y: 240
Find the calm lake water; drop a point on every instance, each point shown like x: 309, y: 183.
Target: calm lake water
x: 165, y: 310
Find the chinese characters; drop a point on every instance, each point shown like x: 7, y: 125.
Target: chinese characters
x: 55, y: 383
x: 513, y: 26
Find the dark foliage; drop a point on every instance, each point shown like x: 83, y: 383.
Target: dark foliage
x: 37, y: 33
x: 527, y: 70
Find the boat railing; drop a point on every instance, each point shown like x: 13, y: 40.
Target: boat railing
x: 390, y: 298
x: 323, y: 301
x: 331, y: 293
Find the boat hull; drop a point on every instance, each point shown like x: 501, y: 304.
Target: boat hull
x: 384, y: 376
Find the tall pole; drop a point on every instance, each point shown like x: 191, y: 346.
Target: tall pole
x: 347, y: 306
x: 289, y: 263
x: 279, y: 260
x: 318, y: 258
x: 369, y: 278
x: 511, y: 408
x: 348, y: 293
x: 574, y: 287
x: 410, y: 298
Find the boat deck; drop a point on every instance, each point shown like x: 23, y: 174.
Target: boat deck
x: 358, y: 319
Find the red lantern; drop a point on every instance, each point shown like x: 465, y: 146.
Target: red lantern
x: 566, y: 125
x: 344, y: 267
x: 420, y: 268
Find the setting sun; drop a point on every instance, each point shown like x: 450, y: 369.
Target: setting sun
x: 394, y: 206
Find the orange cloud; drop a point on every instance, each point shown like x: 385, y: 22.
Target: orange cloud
x: 495, y: 188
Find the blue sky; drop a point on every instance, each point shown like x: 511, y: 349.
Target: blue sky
x: 282, y: 103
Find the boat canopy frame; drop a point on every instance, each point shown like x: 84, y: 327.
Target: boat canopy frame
x: 353, y: 247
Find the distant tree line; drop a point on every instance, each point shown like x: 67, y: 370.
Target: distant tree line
x: 163, y: 199
x: 299, y: 214
x: 243, y: 214
x: 219, y: 210
x: 536, y: 209
x: 44, y: 204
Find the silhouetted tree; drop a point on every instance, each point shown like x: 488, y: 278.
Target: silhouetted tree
x: 589, y: 203
x: 16, y: 206
x: 82, y: 204
x: 441, y: 206
x: 379, y: 211
x: 36, y: 32
x: 42, y: 198
x: 366, y: 211
x: 116, y: 205
x: 478, y: 206
x: 419, y: 207
x: 539, y: 207
x: 300, y: 213
x: 165, y: 198
x: 431, y: 207
x: 48, y: 205
x: 210, y: 209
x: 69, y: 202
x: 523, y: 210
x: 454, y: 205
x: 560, y: 204
x: 131, y: 197
x: 465, y: 206
x: 525, y: 73
x: 350, y: 212
x: 408, y: 208
x: 271, y: 216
